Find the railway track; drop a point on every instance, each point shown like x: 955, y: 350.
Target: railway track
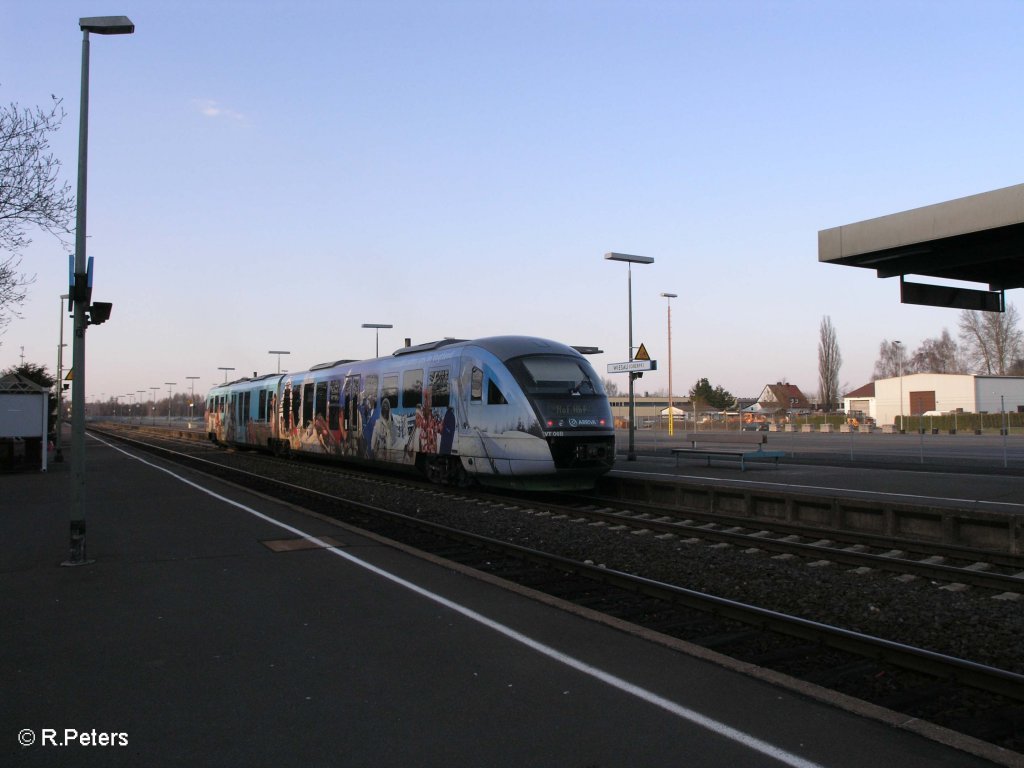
x: 980, y: 699
x: 950, y: 568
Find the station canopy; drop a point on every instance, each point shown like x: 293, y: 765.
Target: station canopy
x: 978, y: 239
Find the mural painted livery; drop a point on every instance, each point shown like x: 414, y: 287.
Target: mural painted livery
x: 511, y: 411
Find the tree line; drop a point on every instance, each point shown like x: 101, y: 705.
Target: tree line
x: 990, y: 343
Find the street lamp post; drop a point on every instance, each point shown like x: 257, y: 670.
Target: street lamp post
x: 630, y: 261
x: 671, y: 411
x: 899, y: 361
x: 277, y: 352
x: 169, y: 385
x: 58, y: 441
x: 222, y: 368
x: 152, y: 409
x: 101, y: 25
x: 377, y: 327
x: 192, y: 398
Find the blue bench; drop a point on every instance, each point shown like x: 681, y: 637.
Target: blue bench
x: 741, y: 445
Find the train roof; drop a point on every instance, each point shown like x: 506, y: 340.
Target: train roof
x: 508, y: 347
x: 502, y: 347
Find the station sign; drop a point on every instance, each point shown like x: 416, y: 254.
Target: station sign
x: 633, y: 365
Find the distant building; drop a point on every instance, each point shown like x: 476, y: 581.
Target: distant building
x: 917, y: 394
x: 783, y: 397
x: 861, y: 399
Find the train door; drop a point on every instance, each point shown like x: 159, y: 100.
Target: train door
x: 442, y: 417
x: 308, y: 390
x: 245, y: 416
x: 285, y: 417
x: 488, y: 418
x: 384, y: 441
x: 235, y: 407
x: 334, y: 415
x: 352, y: 417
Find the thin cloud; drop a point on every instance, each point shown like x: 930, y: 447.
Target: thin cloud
x: 210, y: 108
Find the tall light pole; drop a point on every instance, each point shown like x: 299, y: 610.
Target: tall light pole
x: 169, y: 385
x: 899, y: 360
x: 152, y: 410
x: 277, y: 352
x: 377, y: 327
x: 222, y: 368
x: 671, y: 411
x: 630, y: 261
x: 101, y: 25
x: 58, y: 441
x: 192, y: 398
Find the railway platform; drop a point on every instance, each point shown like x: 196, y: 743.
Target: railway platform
x: 217, y: 627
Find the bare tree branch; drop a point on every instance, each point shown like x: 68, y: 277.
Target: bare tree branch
x: 993, y: 342
x: 30, y: 193
x: 829, y: 361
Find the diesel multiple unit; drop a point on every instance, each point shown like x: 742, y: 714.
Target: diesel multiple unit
x: 512, y: 411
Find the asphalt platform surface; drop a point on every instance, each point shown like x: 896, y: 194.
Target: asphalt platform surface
x: 214, y: 627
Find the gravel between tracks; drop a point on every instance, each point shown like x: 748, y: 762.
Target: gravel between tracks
x: 969, y: 624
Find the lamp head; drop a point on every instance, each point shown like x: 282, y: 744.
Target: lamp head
x: 627, y: 257
x: 107, y: 25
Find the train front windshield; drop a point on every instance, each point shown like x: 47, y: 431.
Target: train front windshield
x: 565, y: 391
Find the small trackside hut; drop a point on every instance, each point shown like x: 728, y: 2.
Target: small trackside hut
x: 24, y: 413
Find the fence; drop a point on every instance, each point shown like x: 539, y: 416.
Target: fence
x: 649, y: 418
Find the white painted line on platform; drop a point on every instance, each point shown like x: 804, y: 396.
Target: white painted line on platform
x: 684, y: 713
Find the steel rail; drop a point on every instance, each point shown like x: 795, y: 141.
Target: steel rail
x: 939, y: 571
x: 941, y: 666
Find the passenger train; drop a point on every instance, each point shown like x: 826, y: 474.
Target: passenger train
x: 510, y: 411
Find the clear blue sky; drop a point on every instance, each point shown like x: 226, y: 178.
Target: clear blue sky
x: 271, y: 175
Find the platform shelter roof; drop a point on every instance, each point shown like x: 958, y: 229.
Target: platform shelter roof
x: 979, y: 239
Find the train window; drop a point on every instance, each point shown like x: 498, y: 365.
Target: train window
x: 352, y: 402
x: 286, y: 408
x: 390, y: 391
x: 320, y: 408
x: 412, y: 388
x: 555, y: 374
x: 476, y: 385
x: 245, y: 401
x: 334, y: 405
x: 370, y: 391
x: 262, y: 414
x: 494, y: 395
x: 307, y: 404
x: 440, y: 392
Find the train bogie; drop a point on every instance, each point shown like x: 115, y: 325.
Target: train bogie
x: 510, y: 411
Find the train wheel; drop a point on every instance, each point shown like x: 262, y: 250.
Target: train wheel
x: 443, y: 470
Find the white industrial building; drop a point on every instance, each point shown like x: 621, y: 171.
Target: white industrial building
x: 922, y: 393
